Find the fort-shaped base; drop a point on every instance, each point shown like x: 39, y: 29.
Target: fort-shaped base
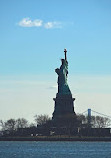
x: 64, y: 109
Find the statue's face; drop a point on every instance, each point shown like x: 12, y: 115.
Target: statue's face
x: 63, y: 61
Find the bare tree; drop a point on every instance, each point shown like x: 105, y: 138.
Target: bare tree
x: 41, y: 119
x: 107, y: 122
x: 36, y: 119
x: 21, y: 123
x: 2, y: 124
x: 82, y: 118
x: 10, y: 124
x: 96, y: 121
x: 101, y: 122
x: 13, y: 124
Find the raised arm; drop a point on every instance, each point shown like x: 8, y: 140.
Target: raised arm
x: 65, y: 51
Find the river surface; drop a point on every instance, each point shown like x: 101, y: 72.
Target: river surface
x: 10, y: 149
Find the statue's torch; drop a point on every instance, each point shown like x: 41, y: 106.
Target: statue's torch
x: 65, y: 51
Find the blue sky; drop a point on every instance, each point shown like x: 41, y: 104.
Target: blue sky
x: 33, y: 35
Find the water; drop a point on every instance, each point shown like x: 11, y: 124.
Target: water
x: 55, y: 149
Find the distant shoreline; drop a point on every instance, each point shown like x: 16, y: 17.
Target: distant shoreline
x: 55, y: 138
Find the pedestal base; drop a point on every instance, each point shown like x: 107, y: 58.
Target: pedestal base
x: 64, y: 110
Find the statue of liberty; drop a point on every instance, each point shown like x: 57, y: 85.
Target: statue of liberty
x: 62, y: 72
x: 63, y: 114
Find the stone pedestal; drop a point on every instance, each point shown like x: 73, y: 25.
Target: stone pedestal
x: 64, y: 110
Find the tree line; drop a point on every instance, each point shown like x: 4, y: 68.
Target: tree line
x: 95, y: 121
x: 14, y: 124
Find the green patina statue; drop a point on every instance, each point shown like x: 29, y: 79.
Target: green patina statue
x: 63, y: 87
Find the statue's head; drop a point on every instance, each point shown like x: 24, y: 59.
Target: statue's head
x: 63, y: 61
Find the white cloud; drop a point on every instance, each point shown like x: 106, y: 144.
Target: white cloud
x: 27, y: 22
x: 53, y: 87
x: 50, y: 25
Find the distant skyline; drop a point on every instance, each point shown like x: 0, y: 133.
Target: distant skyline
x: 33, y: 35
